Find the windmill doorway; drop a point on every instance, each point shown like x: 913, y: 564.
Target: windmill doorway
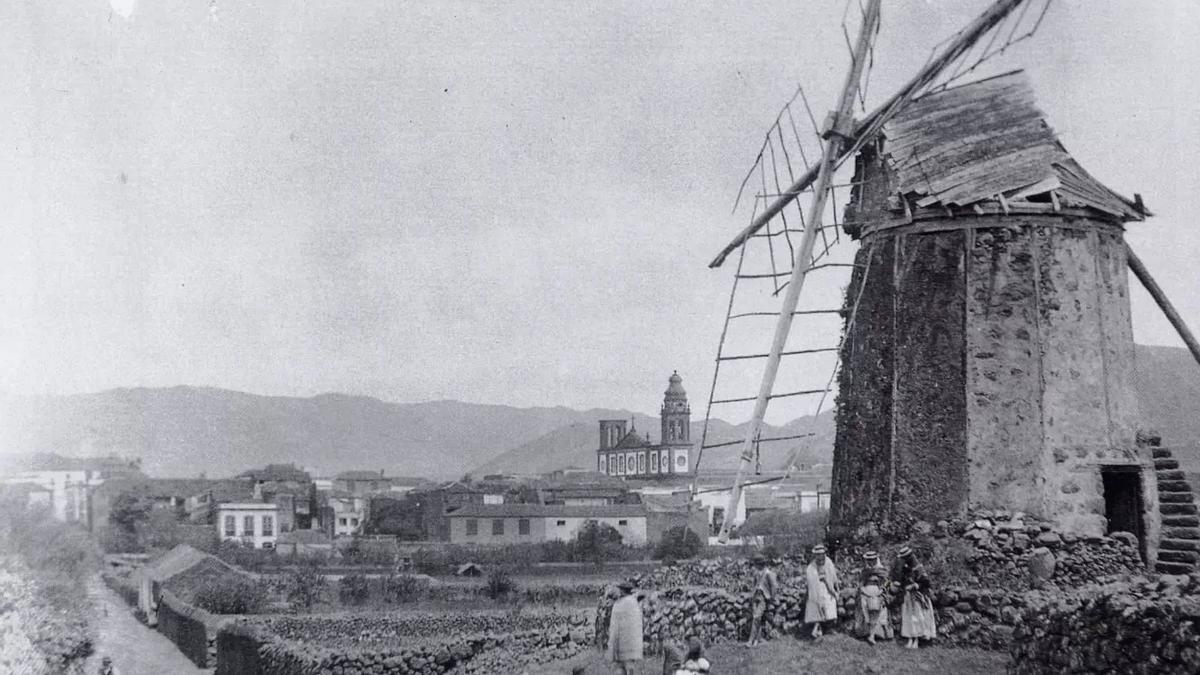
x: 1123, y: 501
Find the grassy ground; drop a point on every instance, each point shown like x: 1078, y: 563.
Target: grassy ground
x: 832, y: 654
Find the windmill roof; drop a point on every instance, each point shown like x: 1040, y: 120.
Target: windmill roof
x: 970, y: 143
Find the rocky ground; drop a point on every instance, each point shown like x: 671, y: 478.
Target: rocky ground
x: 833, y: 654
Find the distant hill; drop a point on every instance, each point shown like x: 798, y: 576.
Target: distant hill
x: 183, y: 431
x: 1168, y: 392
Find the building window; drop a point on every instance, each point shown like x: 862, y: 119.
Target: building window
x: 561, y: 523
x: 268, y: 526
x: 523, y: 526
x: 642, y: 462
x: 654, y: 462
x: 472, y: 527
x: 342, y: 522
x: 620, y: 464
x: 603, y: 464
x: 497, y: 526
x: 622, y: 522
x: 354, y: 522
x: 681, y: 462
x: 248, y: 525
x: 230, y: 526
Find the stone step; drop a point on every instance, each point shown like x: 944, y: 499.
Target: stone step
x: 1176, y: 497
x: 1174, y: 486
x: 1174, y: 568
x: 1161, y: 453
x: 1172, y: 531
x: 1166, y: 464
x: 1179, y: 545
x: 1179, y: 556
x: 1176, y: 509
x: 1170, y: 474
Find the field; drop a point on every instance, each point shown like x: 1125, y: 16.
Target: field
x: 832, y: 654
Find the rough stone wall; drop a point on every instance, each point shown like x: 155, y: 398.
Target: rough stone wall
x: 929, y: 416
x: 1136, y: 625
x: 862, y: 447
x: 1003, y: 368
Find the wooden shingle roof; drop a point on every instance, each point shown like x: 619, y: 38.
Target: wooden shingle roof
x: 974, y: 142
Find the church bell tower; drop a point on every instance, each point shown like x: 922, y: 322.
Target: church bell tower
x: 676, y: 425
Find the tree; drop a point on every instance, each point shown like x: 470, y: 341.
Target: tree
x: 127, y: 511
x: 678, y: 543
x: 596, y: 542
x: 305, y: 585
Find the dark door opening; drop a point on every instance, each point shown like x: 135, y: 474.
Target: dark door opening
x: 1123, y: 502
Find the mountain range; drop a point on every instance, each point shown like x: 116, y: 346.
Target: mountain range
x: 185, y: 431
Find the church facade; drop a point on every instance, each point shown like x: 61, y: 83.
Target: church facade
x: 626, y: 454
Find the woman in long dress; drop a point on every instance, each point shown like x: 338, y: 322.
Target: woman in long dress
x: 871, y: 618
x: 822, y: 582
x: 916, y: 612
x: 625, y: 630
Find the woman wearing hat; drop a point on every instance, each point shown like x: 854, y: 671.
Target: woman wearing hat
x: 625, y: 629
x: 871, y: 617
x: 822, y: 582
x: 916, y: 612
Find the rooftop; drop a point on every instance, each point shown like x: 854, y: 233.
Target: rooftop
x: 247, y: 506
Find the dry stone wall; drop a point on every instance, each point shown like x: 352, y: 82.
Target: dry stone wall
x: 1135, y: 625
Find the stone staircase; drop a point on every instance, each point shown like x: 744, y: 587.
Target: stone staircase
x: 1179, y: 544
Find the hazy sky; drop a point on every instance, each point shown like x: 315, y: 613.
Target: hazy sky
x: 510, y: 203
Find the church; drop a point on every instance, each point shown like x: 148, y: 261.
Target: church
x: 624, y: 453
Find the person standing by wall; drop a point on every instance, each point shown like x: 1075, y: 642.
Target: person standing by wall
x: 872, y: 619
x: 625, y: 630
x: 765, y: 588
x: 822, y: 583
x: 916, y: 612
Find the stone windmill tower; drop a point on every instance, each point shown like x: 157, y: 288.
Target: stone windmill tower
x: 987, y: 349
x: 991, y: 361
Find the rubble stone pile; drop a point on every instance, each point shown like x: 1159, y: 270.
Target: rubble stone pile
x: 1133, y: 625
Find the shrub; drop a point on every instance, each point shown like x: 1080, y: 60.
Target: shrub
x: 596, y: 542
x: 500, y: 584
x: 230, y: 595
x: 678, y: 543
x: 304, y: 585
x: 353, y: 589
x: 246, y: 557
x: 402, y: 588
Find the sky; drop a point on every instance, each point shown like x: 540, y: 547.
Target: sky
x: 492, y: 202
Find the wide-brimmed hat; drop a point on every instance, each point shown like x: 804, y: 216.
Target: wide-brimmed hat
x: 758, y: 559
x: 870, y: 555
x: 819, y: 548
x: 625, y: 585
x: 904, y: 552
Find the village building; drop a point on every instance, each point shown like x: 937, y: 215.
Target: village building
x: 624, y: 453
x: 250, y: 523
x: 344, y: 514
x: 361, y: 482
x: 533, y: 523
x: 65, y: 485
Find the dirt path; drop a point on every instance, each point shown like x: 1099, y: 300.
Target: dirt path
x: 135, y: 648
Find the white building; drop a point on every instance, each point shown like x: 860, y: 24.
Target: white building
x: 252, y: 524
x: 65, y: 492
x: 346, y: 514
x: 531, y: 523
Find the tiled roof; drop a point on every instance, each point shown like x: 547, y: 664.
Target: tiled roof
x: 547, y: 511
x: 360, y: 475
x: 632, y: 441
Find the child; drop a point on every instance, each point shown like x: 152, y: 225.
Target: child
x: 694, y: 663
x: 870, y: 595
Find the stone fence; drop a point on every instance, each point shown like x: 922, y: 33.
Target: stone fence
x: 1136, y: 625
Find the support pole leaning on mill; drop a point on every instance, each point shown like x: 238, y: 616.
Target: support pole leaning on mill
x: 841, y: 127
x: 1143, y: 275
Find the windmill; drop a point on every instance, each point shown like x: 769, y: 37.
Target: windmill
x: 1037, y: 181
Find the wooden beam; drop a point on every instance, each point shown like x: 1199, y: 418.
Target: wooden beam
x: 872, y: 122
x: 1143, y: 275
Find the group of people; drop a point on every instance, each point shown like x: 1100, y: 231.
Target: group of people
x: 879, y: 590
x: 907, y: 584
